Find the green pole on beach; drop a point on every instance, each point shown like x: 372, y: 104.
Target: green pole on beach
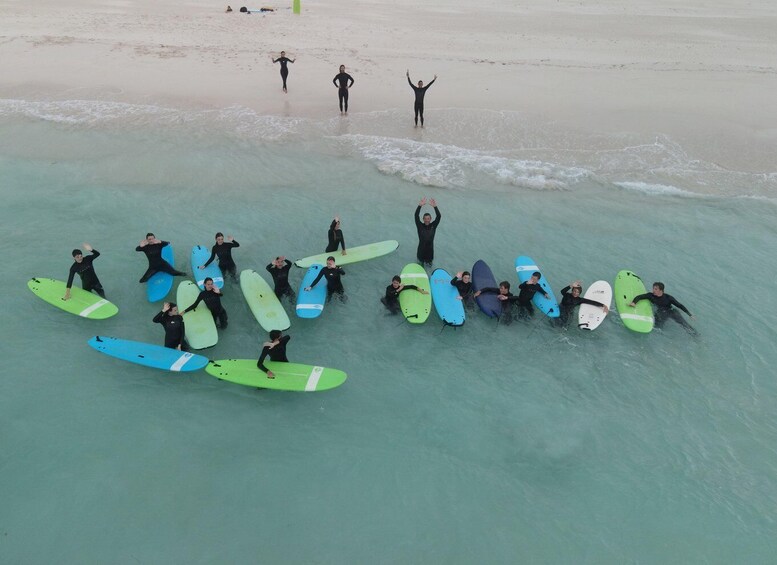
x: 296, y: 6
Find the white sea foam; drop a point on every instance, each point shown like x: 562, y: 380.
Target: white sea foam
x: 663, y: 189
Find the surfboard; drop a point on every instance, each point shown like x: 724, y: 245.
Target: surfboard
x: 261, y: 299
x: 353, y: 255
x: 590, y: 317
x: 446, y: 298
x: 148, y: 355
x: 524, y: 267
x: 640, y: 317
x: 310, y: 303
x: 81, y: 303
x: 482, y: 277
x: 415, y: 306
x: 288, y: 376
x: 200, y: 256
x: 200, y: 327
x: 161, y: 283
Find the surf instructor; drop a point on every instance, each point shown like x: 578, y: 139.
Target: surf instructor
x: 420, y: 92
x: 426, y: 231
x: 341, y: 82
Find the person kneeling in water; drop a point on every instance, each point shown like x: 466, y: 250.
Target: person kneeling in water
x: 275, y: 349
x: 212, y: 298
x: 175, y: 331
x: 463, y: 283
x: 391, y: 300
x: 333, y: 285
x: 570, y: 299
x: 505, y: 296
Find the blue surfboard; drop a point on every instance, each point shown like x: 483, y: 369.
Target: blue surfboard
x: 482, y: 277
x: 310, y: 303
x: 524, y: 267
x: 148, y: 355
x: 200, y: 256
x: 161, y: 283
x: 446, y: 298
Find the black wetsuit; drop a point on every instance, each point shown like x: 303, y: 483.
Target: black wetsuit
x: 224, y: 252
x: 465, y: 291
x: 391, y: 300
x: 212, y: 300
x: 175, y: 331
x: 568, y: 304
x: 333, y: 284
x: 664, y: 310
x: 85, y: 270
x: 153, y: 253
x: 343, y: 86
x: 425, y: 252
x: 506, y: 317
x: 524, y: 298
x: 284, y: 68
x: 277, y: 353
x: 419, y: 99
x: 280, y: 277
x: 336, y: 238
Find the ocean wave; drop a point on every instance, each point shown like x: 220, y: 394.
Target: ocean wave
x: 662, y: 189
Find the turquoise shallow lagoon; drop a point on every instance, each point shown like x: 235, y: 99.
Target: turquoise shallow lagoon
x: 484, y: 444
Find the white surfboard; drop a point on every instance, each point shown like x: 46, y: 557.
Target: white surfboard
x: 590, y: 317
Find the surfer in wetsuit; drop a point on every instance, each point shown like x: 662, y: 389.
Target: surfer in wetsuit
x: 527, y: 291
x: 335, y: 235
x: 341, y: 82
x: 426, y: 231
x: 175, y: 330
x: 332, y: 273
x: 275, y: 349
x: 212, y: 298
x: 391, y: 299
x: 83, y: 266
x: 420, y: 91
x: 570, y: 298
x: 664, y: 307
x: 506, y: 297
x: 283, y: 60
x: 223, y: 250
x: 279, y: 270
x: 463, y: 283
x: 152, y: 247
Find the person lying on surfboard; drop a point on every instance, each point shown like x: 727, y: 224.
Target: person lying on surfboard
x: 152, y: 247
x: 83, y: 266
x: 570, y: 298
x: 463, y: 283
x: 175, y: 331
x: 335, y: 235
x: 664, y: 307
x: 279, y: 270
x: 332, y: 273
x: 391, y: 299
x: 275, y: 349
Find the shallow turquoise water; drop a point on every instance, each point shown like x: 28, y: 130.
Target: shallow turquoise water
x: 483, y: 444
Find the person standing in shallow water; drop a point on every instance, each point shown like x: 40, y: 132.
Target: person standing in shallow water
x: 426, y: 231
x: 342, y: 84
x: 420, y: 92
x: 283, y: 60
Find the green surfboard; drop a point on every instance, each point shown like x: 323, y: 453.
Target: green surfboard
x: 638, y: 318
x: 288, y: 376
x: 353, y: 254
x: 415, y: 306
x: 81, y: 303
x: 200, y: 327
x: 261, y: 299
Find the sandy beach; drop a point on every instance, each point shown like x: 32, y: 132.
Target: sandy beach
x: 702, y: 73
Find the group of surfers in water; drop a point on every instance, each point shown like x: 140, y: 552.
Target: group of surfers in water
x: 513, y: 306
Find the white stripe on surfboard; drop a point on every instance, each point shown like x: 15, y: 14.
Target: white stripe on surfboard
x: 526, y: 268
x: 414, y: 275
x: 315, y: 375
x: 310, y: 306
x: 637, y: 317
x: 86, y: 311
x: 178, y: 365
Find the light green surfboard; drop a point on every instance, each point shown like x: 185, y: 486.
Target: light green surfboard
x: 288, y: 376
x: 415, y: 306
x: 200, y: 328
x: 353, y: 254
x: 81, y: 303
x: 261, y: 299
x: 640, y: 317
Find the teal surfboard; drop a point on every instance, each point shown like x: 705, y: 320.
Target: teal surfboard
x: 288, y: 376
x: 637, y: 318
x: 148, y: 355
x: 446, y: 298
x: 310, y: 303
x: 353, y: 255
x: 160, y: 284
x: 200, y: 327
x: 261, y: 299
x: 524, y: 267
x: 415, y: 305
x: 81, y: 302
x: 200, y: 256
